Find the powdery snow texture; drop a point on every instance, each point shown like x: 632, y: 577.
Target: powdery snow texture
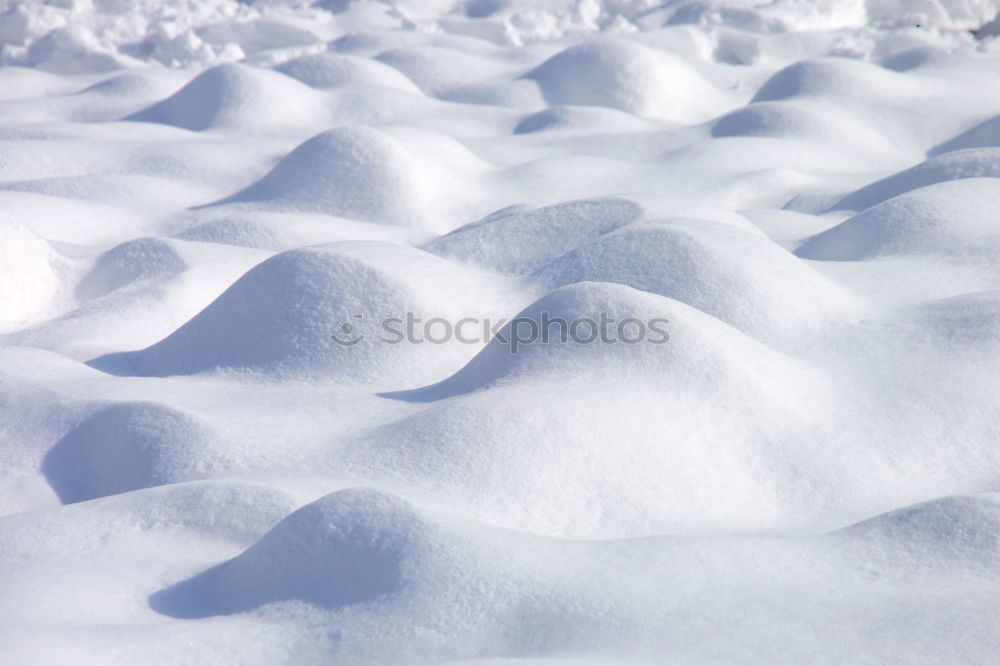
x: 797, y: 201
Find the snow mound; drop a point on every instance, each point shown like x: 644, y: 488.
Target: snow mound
x: 961, y: 532
x: 128, y: 446
x: 354, y: 172
x: 953, y: 217
x: 831, y: 79
x: 235, y: 231
x: 627, y: 76
x: 707, y: 351
x: 331, y: 70
x: 630, y: 438
x: 28, y: 279
x: 238, y: 97
x: 785, y: 119
x: 581, y: 119
x: 277, y: 230
x: 743, y: 279
x: 124, y: 85
x: 121, y: 305
x: 514, y: 240
x: 360, y: 173
x: 913, y: 58
x: 278, y: 319
x: 132, y: 261
x: 519, y: 239
x: 983, y: 135
x: 970, y: 163
x: 348, y: 547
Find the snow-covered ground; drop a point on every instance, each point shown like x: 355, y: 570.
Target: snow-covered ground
x: 210, y: 453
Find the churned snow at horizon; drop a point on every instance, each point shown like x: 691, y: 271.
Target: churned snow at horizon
x: 218, y: 444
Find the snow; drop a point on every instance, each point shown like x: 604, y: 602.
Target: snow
x: 30, y: 279
x: 944, y: 218
x: 211, y: 453
x: 277, y: 319
x: 629, y: 77
x: 236, y: 96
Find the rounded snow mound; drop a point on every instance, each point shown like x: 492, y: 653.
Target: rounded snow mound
x: 348, y: 547
x: 774, y: 119
x: 358, y: 173
x: 741, y: 278
x: 598, y: 439
x: 961, y: 531
x: 983, y: 135
x: 28, y: 280
x: 913, y: 58
x: 321, y: 311
x: 581, y: 119
x: 331, y: 70
x: 130, y: 262
x: 663, y: 338
x: 238, y: 97
x: 955, y: 217
x: 626, y: 76
x: 129, y: 446
x: 124, y: 85
x: 831, y: 78
x: 235, y: 231
x: 518, y: 240
x: 970, y: 163
x: 354, y: 172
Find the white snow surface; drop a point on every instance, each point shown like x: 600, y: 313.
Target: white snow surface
x: 195, y: 195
